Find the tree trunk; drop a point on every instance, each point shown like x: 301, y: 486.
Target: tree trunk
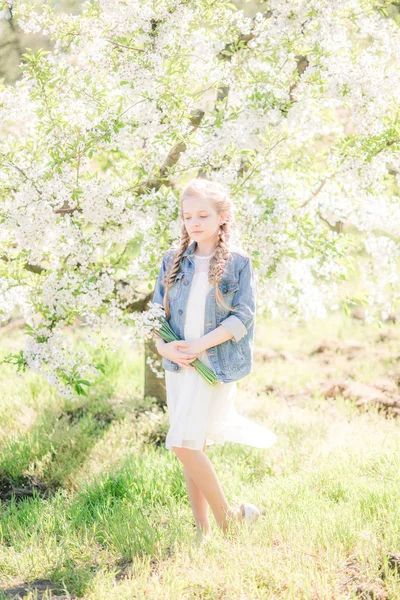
x: 153, y: 385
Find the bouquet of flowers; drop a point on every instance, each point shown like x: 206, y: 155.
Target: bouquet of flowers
x: 153, y: 320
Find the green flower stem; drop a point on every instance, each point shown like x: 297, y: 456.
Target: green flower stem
x: 168, y: 335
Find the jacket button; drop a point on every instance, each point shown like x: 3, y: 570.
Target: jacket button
x: 176, y: 367
x: 224, y: 289
x: 180, y: 311
x: 185, y: 282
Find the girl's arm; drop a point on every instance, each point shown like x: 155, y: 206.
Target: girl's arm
x: 158, y: 298
x: 244, y: 301
x: 237, y: 324
x: 159, y: 289
x: 215, y: 337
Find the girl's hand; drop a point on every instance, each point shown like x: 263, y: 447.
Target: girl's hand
x: 172, y: 351
x: 194, y: 346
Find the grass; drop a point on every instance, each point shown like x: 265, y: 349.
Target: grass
x: 101, y: 509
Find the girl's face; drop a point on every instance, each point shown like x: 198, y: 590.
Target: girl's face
x: 201, y: 220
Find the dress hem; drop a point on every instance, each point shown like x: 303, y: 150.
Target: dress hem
x: 221, y: 442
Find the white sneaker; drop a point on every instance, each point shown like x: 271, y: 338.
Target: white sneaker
x: 250, y: 514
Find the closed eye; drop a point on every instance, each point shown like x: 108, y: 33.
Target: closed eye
x: 201, y: 217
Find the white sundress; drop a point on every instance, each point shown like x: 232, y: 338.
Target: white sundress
x: 200, y: 412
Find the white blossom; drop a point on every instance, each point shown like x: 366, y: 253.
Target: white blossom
x: 305, y: 137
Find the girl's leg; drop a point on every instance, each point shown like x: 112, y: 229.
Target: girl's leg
x: 202, y: 472
x: 198, y: 502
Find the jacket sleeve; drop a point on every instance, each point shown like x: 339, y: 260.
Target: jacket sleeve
x: 244, y: 301
x: 159, y: 291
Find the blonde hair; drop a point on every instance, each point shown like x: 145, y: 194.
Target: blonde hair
x: 222, y: 203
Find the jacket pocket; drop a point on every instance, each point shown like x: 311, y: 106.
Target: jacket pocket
x: 233, y: 357
x: 175, y: 290
x: 228, y: 288
x: 240, y: 348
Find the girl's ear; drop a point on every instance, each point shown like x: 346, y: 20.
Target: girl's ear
x: 223, y: 217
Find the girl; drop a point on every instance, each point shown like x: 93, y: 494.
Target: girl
x: 208, y: 292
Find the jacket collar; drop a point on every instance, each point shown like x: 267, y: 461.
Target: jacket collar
x: 190, y: 249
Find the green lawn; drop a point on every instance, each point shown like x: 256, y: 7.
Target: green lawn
x: 100, y: 507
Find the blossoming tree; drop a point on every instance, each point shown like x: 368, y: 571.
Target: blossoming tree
x: 296, y: 109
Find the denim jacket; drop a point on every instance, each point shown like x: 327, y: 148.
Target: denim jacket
x: 232, y: 359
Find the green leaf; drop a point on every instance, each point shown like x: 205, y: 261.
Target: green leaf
x: 80, y: 390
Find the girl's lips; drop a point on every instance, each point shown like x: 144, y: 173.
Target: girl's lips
x: 197, y: 232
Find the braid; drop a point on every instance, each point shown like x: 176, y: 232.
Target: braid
x: 219, y: 260
x: 219, y: 196
x: 171, y: 274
